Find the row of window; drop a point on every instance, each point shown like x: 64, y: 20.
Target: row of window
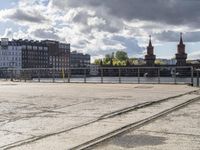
x: 60, y: 60
x: 11, y: 48
x: 64, y: 46
x: 9, y: 53
x: 36, y: 58
x: 34, y: 66
x: 34, y: 53
x: 29, y: 47
x: 26, y: 60
x: 10, y: 58
x: 10, y: 64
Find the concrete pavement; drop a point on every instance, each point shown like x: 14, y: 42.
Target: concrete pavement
x: 35, y: 112
x: 179, y: 130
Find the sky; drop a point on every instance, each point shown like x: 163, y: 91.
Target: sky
x: 100, y: 27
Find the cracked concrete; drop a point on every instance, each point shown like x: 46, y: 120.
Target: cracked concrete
x: 178, y: 130
x: 32, y: 110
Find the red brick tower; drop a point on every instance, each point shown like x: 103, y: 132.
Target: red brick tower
x: 181, y: 56
x: 150, y: 57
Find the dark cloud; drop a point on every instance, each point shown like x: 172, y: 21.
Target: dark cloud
x: 101, y: 27
x: 131, y: 44
x: 174, y: 12
x: 99, y: 23
x: 33, y: 17
x: 171, y: 36
x: 81, y: 17
x: 112, y: 26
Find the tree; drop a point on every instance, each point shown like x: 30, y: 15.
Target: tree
x: 97, y: 61
x: 159, y: 62
x: 107, y: 59
x: 133, y: 61
x: 121, y: 56
x: 119, y: 63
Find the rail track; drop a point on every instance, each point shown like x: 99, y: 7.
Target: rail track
x: 110, y: 115
x: 92, y: 143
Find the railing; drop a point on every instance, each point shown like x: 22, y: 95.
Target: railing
x: 197, y: 71
x: 139, y: 75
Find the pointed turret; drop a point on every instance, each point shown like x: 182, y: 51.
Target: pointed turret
x: 150, y: 47
x: 150, y: 57
x: 150, y: 43
x: 181, y: 39
x: 181, y: 56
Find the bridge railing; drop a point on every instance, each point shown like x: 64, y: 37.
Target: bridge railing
x: 139, y: 75
x: 197, y: 81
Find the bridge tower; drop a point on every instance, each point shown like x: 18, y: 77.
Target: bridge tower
x: 150, y: 57
x: 181, y: 56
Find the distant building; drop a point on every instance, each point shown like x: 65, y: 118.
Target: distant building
x: 79, y: 60
x: 10, y: 54
x: 193, y: 61
x: 141, y: 61
x: 181, y: 56
x: 59, y: 54
x: 167, y: 61
x: 171, y: 61
x: 94, y: 70
x: 34, y: 54
x: 150, y: 57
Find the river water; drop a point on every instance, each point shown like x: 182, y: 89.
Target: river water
x: 130, y: 80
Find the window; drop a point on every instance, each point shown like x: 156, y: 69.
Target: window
x: 29, y: 47
x: 34, y: 47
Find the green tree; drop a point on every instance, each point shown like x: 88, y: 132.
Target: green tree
x: 121, y: 55
x: 116, y: 62
x: 159, y: 62
x: 97, y: 61
x: 107, y: 59
x: 133, y: 61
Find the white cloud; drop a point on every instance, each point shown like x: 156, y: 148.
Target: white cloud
x: 8, y: 33
x: 4, y: 13
x: 96, y: 21
x: 94, y: 26
x: 194, y: 55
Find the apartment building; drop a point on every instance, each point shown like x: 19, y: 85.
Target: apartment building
x: 20, y: 54
x: 79, y: 60
x: 10, y: 54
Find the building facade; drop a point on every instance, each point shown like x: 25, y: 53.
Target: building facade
x: 79, y: 60
x: 10, y: 54
x: 34, y: 54
x: 59, y: 54
x: 21, y: 54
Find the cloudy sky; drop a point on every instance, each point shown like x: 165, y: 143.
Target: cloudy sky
x: 99, y: 27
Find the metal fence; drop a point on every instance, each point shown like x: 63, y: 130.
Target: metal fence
x: 197, y: 75
x: 139, y: 75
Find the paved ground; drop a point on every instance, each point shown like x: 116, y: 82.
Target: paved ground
x: 30, y: 111
x: 179, y: 130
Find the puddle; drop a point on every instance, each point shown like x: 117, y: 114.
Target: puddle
x: 144, y: 87
x: 132, y: 141
x: 8, y: 84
